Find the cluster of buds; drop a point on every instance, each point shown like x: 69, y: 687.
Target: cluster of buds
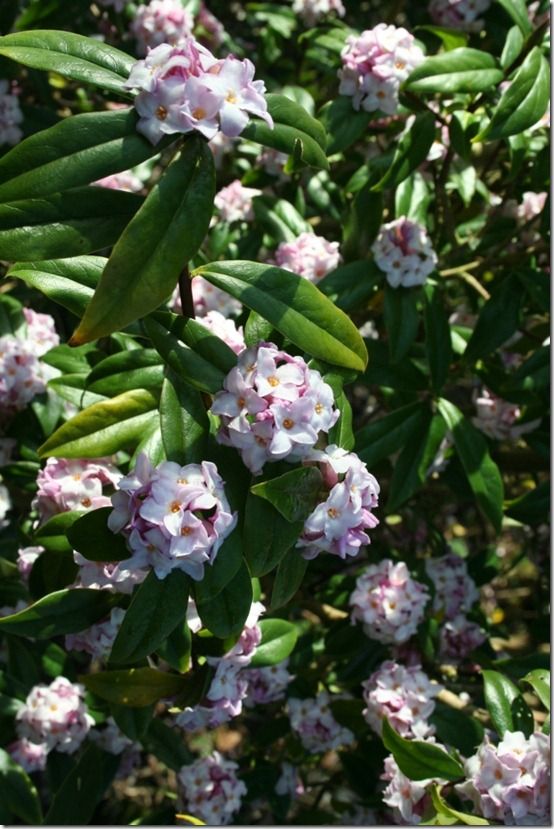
x: 497, y: 418
x: 338, y: 525
x: 388, y: 602
x: 55, y: 715
x: 403, y: 251
x: 311, y: 11
x: 459, y: 14
x: 64, y: 485
x: 211, y: 789
x: 268, y: 684
x: 40, y: 331
x: 455, y: 590
x: 510, y: 783
x: 374, y: 64
x: 226, y: 329
x: 234, y: 202
x: 185, y: 88
x: 98, y: 639
x: 405, y: 695
x: 10, y: 115
x: 459, y: 637
x: 161, y: 21
x: 115, y: 576
x: 30, y: 756
x: 310, y: 256
x: 313, y: 721
x: 273, y: 407
x: 174, y: 517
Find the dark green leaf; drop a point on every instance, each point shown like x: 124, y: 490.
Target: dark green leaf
x: 66, y: 611
x: 386, y: 435
x: 539, y: 680
x: 52, y: 571
x: 419, y: 760
x: 184, y: 422
x: 447, y: 815
x: 176, y: 649
x: 134, y: 687
x: 85, y: 784
x: 505, y: 704
x: 341, y: 433
x: 288, y: 578
x: 91, y: 536
x: 401, y: 320
x: 278, y: 641
x: 167, y: 745
x: 450, y: 38
x: 411, y: 151
x: 412, y: 465
x: 294, y: 494
x: 225, y: 615
x: 498, y: 320
x: 223, y: 570
x: 69, y: 282
x: 460, y: 70
x: 140, y: 368
x: 134, y: 722
x: 532, y: 508
x: 360, y: 229
x: 517, y: 9
x: 199, y: 338
x: 53, y: 534
x: 343, y: 124
x: 18, y: 792
x: 437, y: 337
x: 267, y: 535
x: 457, y: 729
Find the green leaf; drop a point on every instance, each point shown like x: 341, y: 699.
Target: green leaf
x: 412, y: 198
x: 167, y: 745
x: 134, y: 722
x: 450, y: 38
x: 127, y: 370
x: 199, y: 338
x: 157, y: 607
x: 294, y: 494
x: 444, y: 810
x: 539, y: 680
x: 17, y: 791
x: 456, y: 728
x: 69, y: 282
x: 401, y: 320
x: 482, y: 472
x: 359, y: 231
x: 410, y: 152
x: 498, y: 320
x: 512, y: 47
x: 524, y: 102
x: 419, y: 760
x: 225, y: 567
x: 78, y: 221
x: 91, y: 536
x: 295, y: 132
x: 341, y: 433
x: 294, y: 307
x: 437, y: 337
x: 76, y: 57
x: 505, y: 704
x: 412, y: 465
x: 387, y: 434
x: 104, y: 428
x: 460, y: 70
x: 278, y: 642
x: 85, y: 784
x: 532, y: 508
x: 267, y: 535
x: 289, y: 576
x: 76, y: 151
x: 517, y: 10
x: 53, y: 534
x: 184, y: 422
x: 343, y: 124
x: 66, y: 611
x: 176, y: 649
x: 52, y: 571
x: 134, y: 687
x: 155, y: 246
x: 225, y: 615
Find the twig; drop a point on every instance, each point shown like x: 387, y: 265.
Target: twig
x: 470, y: 279
x: 185, y: 293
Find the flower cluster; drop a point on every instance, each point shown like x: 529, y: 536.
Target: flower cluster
x: 374, y: 64
x: 161, y: 21
x: 115, y: 576
x: 338, y: 525
x: 65, y: 485
x: 405, y: 695
x: 311, y: 11
x: 455, y: 590
x: 184, y: 88
x: 174, y: 517
x: 313, y: 721
x: 99, y: 638
x: 267, y: 685
x: 55, y: 715
x: 206, y: 297
x: 403, y: 251
x: 408, y: 799
x: 388, y: 602
x: 30, y: 756
x: 459, y: 14
x: 459, y: 637
x: 510, y: 783
x: 211, y: 789
x: 234, y: 202
x: 10, y: 115
x: 497, y: 418
x: 310, y: 256
x: 273, y: 406
x: 40, y: 331
x: 226, y: 329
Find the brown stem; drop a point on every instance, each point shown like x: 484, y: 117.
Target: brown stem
x: 185, y: 293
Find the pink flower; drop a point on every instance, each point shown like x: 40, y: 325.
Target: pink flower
x: 234, y: 202
x: 459, y: 14
x: 55, y: 715
x: 206, y: 298
x: 403, y: 251
x: 11, y: 115
x: 30, y: 756
x: 498, y: 419
x: 26, y: 557
x: 312, y: 11
x: 405, y: 696
x: 211, y: 789
x: 459, y: 637
x: 99, y: 638
x: 107, y: 575
x: 407, y: 798
x: 268, y: 684
x: 455, y: 590
x: 161, y: 21
x: 126, y: 181
x: 65, y: 485
x: 41, y: 331
x: 314, y: 723
x: 388, y: 602
x: 21, y: 374
x: 232, y: 80
x: 225, y: 329
x: 310, y: 256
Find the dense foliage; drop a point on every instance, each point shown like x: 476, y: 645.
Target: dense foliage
x: 274, y: 406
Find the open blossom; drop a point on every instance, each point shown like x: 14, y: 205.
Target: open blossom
x: 56, y: 715
x: 310, y: 256
x: 407, y: 798
x: 126, y: 181
x: 510, y: 783
x: 161, y: 21
x: 388, y: 602
x: 183, y: 88
x: 497, y: 418
x: 338, y: 525
x: 374, y: 64
x: 174, y: 517
x: 268, y: 684
x: 311, y: 11
x: 65, y: 485
x: 234, y: 202
x: 114, y: 576
x: 406, y: 696
x: 459, y: 14
x: 313, y: 721
x: 211, y: 789
x: 273, y: 406
x: 30, y: 756
x: 455, y: 590
x: 225, y: 329
x: 403, y: 251
x: 11, y: 115
x: 99, y: 638
x: 26, y: 557
x: 459, y: 637
x: 206, y: 298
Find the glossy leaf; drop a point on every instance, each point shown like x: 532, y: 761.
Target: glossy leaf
x: 78, y: 221
x: 167, y: 745
x: 18, y: 792
x: 294, y: 307
x: 539, y: 680
x: 225, y: 615
x: 104, y: 428
x: 85, y: 784
x: 411, y: 468
x: 134, y: 722
x: 184, y: 422
x: 199, y: 338
x: 52, y: 571
x: 343, y: 124
x: 176, y: 649
x: 140, y: 368
x: 69, y: 282
x: 267, y: 535
x: 457, y: 729
x: 387, y: 434
x: 482, y: 472
x: 289, y: 577
x: 66, y: 611
x: 532, y: 508
x: 76, y: 57
x: 437, y: 337
x: 460, y: 70
x: 278, y: 641
x: 505, y: 704
x: 157, y: 607
x: 444, y: 810
x: 419, y: 760
x: 225, y: 567
x: 294, y: 494
x: 517, y: 10
x: 401, y: 320
x: 411, y: 151
x: 135, y: 687
x: 91, y: 536
x: 512, y: 47
x: 52, y: 535
x: 498, y: 320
